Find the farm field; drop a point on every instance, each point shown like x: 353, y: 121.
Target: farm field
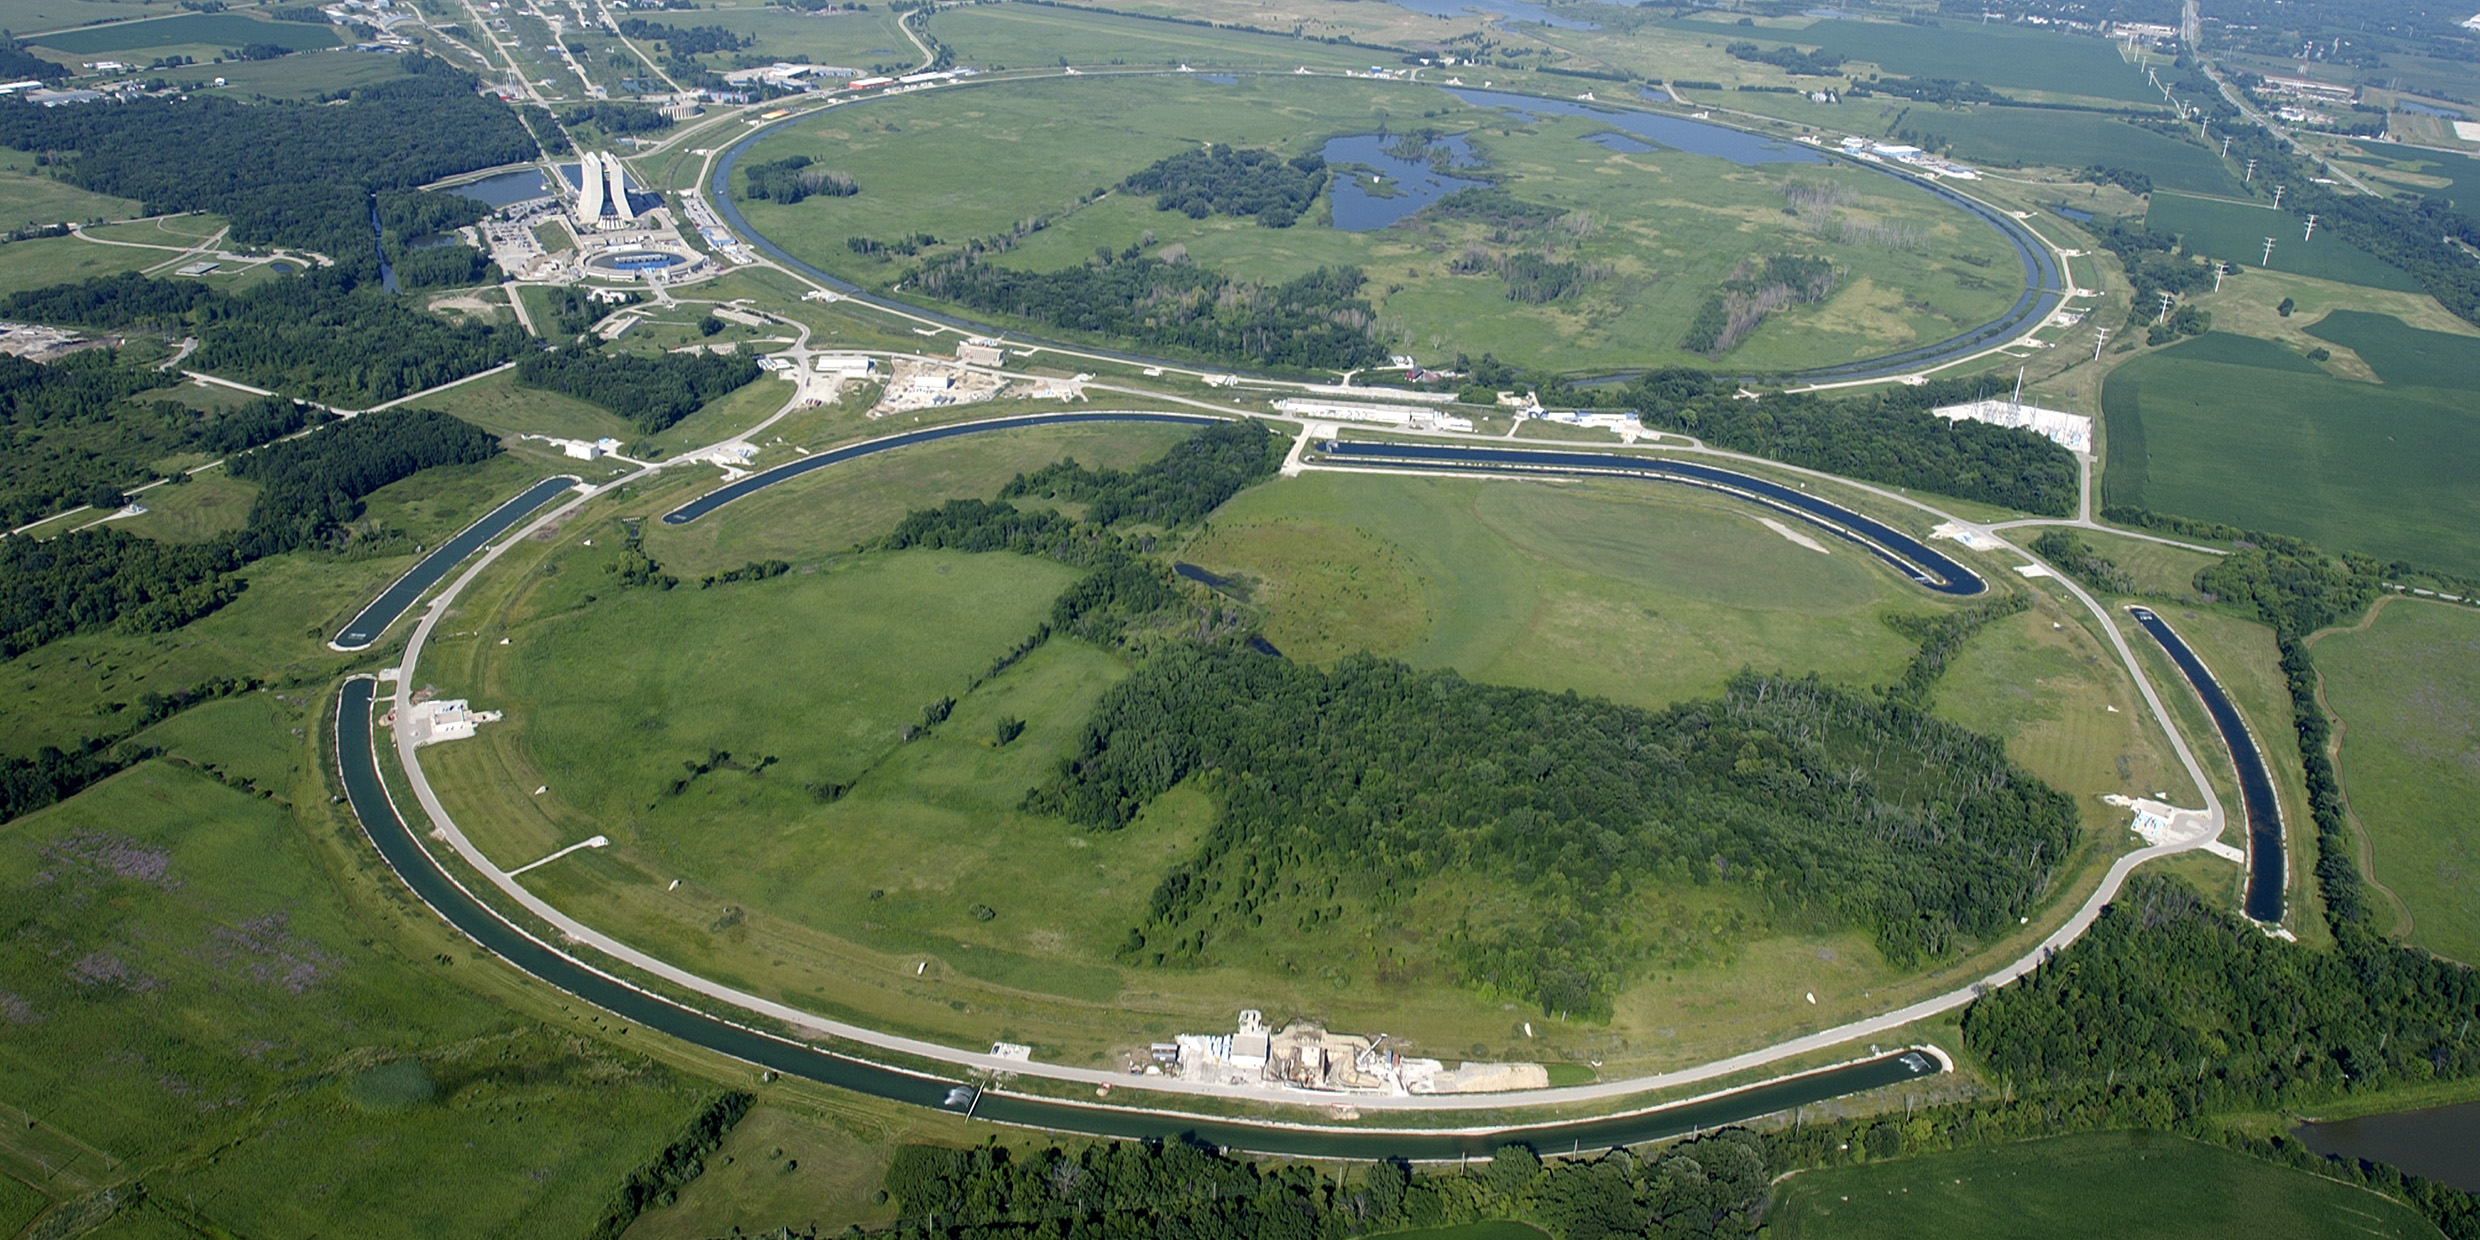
x: 30, y: 17
x: 1662, y: 227
x: 2406, y: 688
x: 2383, y: 470
x: 2236, y: 233
x: 2438, y: 174
x: 2072, y: 140
x: 309, y: 74
x: 2402, y: 355
x: 156, y: 36
x: 2009, y: 59
x: 1023, y: 36
x: 2135, y: 1185
x: 848, y: 39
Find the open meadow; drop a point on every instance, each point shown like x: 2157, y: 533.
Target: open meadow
x: 1021, y: 36
x: 1652, y: 230
x: 2056, y: 139
x: 2405, y: 688
x: 2199, y: 428
x: 2135, y: 1185
x: 2235, y: 233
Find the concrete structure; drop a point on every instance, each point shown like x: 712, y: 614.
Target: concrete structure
x: 2071, y: 431
x: 620, y: 209
x: 445, y: 719
x: 1412, y: 416
x: 978, y: 351
x: 846, y: 365
x: 589, y: 189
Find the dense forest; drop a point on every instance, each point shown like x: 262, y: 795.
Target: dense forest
x: 1223, y: 180
x: 308, y: 488
x: 1190, y: 481
x: 1791, y: 60
x: 1887, y: 436
x: 329, y: 334
x: 793, y: 178
x: 297, y: 174
x: 1315, y: 322
x: 651, y: 391
x: 1365, y: 781
x: 1711, y: 1186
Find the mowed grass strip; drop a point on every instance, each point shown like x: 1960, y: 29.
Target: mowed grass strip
x: 2235, y: 233
x: 2407, y: 690
x: 2130, y: 1185
x: 2383, y: 470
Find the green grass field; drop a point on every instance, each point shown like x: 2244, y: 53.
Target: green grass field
x: 29, y: 197
x: 1668, y: 225
x: 185, y: 981
x: 2131, y: 1185
x: 45, y: 261
x: 2235, y: 233
x: 2442, y: 175
x: 2407, y: 690
x: 1024, y: 36
x: 311, y: 74
x: 2068, y: 140
x: 2401, y: 354
x: 848, y: 39
x: 2008, y: 58
x: 2383, y: 470
x: 30, y: 17
x: 210, y: 30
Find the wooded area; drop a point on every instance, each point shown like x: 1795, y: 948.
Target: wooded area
x: 652, y: 391
x: 1223, y: 180
x: 1315, y: 322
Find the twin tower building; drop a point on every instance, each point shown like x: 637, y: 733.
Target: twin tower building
x: 599, y: 186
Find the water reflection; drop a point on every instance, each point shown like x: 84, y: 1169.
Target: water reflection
x: 507, y: 187
x: 2440, y: 1143
x: 1406, y: 185
x: 1676, y: 132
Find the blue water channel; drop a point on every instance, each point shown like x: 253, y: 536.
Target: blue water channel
x: 1410, y: 184
x: 1927, y: 566
x: 2267, y: 868
x: 374, y: 620
x: 507, y: 188
x: 1675, y: 132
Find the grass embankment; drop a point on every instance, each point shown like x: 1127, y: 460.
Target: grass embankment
x: 2121, y: 1184
x: 2245, y: 432
x: 2406, y: 691
x: 1666, y: 225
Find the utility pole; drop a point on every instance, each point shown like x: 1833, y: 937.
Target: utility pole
x: 2268, y: 252
x: 2164, y: 316
x: 2226, y: 146
x: 2277, y: 196
x: 2250, y: 178
x: 2311, y: 233
x: 2102, y: 338
x: 2219, y: 270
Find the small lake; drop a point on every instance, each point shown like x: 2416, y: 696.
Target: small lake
x: 1409, y: 184
x: 507, y: 188
x: 1675, y: 132
x: 2441, y: 1143
x: 1505, y: 10
x: 2070, y: 213
x: 2430, y: 110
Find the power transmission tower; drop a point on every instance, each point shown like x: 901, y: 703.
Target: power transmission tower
x: 2250, y: 178
x: 2100, y: 340
x: 2311, y: 233
x: 2268, y: 252
x: 2219, y: 270
x: 2226, y: 147
x: 2164, y: 316
x: 2277, y: 196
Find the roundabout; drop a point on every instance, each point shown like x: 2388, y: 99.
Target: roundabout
x: 593, y: 964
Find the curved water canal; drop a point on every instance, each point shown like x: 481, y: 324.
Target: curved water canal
x: 367, y: 627
x: 2268, y: 867
x: 358, y: 764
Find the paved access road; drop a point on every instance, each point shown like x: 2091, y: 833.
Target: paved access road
x: 357, y: 757
x: 364, y: 629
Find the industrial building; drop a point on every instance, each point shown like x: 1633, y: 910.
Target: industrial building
x: 1414, y: 417
x: 2068, y: 430
x: 1306, y: 1057
x: 979, y: 351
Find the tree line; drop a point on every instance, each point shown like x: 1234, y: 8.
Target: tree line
x: 1191, y: 480
x: 793, y: 178
x: 308, y: 489
x: 53, y: 775
x: 651, y: 391
x: 1316, y: 321
x: 1366, y: 781
x: 330, y: 334
x: 1224, y: 180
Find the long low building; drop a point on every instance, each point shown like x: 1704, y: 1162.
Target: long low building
x: 2072, y: 431
x: 1384, y: 415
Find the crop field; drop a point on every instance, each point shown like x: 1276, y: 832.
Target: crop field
x: 1022, y: 36
x: 849, y: 39
x: 2402, y: 355
x: 2236, y: 233
x: 28, y: 17
x: 2066, y: 140
x: 2383, y: 470
x: 184, y: 979
x: 2407, y: 691
x: 306, y: 75
x: 209, y: 30
x: 2012, y: 60
x: 2437, y: 174
x: 1664, y: 227
x: 2121, y: 1184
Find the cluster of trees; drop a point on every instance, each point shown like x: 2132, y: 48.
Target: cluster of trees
x: 2128, y: 179
x: 408, y: 216
x: 1223, y: 180
x: 1928, y: 90
x: 1711, y: 1186
x: 296, y: 174
x: 1374, y: 777
x: 330, y: 335
x: 1188, y: 482
x: 617, y: 118
x: 1886, y: 436
x: 651, y: 391
x: 794, y: 178
x: 1316, y: 321
x: 2416, y: 232
x: 1751, y: 292
x: 53, y: 775
x: 906, y: 246
x: 18, y: 65
x: 1941, y: 638
x: 308, y: 488
x: 1533, y: 277
x: 2077, y: 558
x: 660, y: 1179
x: 1791, y: 60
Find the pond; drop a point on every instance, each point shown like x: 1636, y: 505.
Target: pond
x: 2441, y: 1143
x: 1675, y: 132
x: 507, y: 188
x: 1407, y: 185
x: 1505, y: 10
x: 2430, y: 110
x: 2070, y: 213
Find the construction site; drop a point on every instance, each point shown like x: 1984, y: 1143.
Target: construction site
x: 1306, y: 1057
